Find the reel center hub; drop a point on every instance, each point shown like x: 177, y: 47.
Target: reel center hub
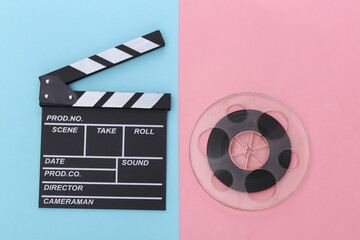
x: 249, y: 150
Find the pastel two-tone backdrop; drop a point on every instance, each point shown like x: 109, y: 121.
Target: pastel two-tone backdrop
x: 38, y: 37
x: 304, y: 53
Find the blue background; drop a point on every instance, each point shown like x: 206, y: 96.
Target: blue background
x: 37, y: 37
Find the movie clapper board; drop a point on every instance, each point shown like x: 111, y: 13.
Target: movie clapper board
x: 103, y: 150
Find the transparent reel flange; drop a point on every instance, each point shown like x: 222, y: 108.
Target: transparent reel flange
x: 249, y: 151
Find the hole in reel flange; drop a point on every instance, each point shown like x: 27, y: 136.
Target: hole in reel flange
x: 222, y: 179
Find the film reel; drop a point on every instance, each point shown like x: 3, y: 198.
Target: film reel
x: 249, y: 151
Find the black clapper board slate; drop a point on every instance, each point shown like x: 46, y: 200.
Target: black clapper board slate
x: 103, y: 150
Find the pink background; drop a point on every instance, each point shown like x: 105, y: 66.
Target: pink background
x: 305, y: 53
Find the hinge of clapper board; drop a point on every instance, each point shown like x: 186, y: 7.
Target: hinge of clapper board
x: 54, y: 89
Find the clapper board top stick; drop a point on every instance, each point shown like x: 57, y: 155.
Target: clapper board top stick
x: 104, y: 150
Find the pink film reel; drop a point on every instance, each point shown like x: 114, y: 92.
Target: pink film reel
x: 249, y: 151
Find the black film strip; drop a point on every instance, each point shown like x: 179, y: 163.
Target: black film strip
x: 249, y: 180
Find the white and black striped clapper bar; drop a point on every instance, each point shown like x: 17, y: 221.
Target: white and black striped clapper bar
x: 103, y: 149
